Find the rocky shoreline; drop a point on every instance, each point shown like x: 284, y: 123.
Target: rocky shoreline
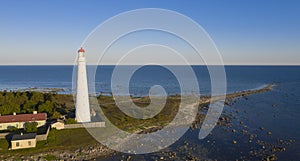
x: 84, y: 153
x: 36, y: 89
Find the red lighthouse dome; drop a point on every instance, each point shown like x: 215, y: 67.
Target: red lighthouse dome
x: 81, y: 50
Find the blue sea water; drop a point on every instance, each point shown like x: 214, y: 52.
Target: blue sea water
x: 238, y: 78
x: 277, y: 110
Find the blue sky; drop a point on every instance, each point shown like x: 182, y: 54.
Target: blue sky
x: 245, y: 32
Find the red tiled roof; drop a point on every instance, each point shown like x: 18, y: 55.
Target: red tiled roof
x: 23, y: 118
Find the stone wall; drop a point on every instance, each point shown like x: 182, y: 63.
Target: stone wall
x: 43, y: 136
x: 85, y: 125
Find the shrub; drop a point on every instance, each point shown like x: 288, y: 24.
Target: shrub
x: 71, y: 121
x: 31, y: 126
x: 12, y: 129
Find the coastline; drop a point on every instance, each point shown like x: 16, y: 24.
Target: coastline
x: 97, y: 150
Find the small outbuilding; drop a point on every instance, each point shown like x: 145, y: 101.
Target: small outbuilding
x: 21, y: 141
x: 58, y: 125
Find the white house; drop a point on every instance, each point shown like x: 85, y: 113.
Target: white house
x: 18, y: 120
x: 21, y: 141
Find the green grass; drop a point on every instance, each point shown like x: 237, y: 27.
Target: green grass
x: 68, y: 139
x: 3, y: 144
x: 72, y: 139
x: 130, y: 124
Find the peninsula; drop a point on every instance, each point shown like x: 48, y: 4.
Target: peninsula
x: 77, y: 143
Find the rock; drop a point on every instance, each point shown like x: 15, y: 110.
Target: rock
x: 234, y: 131
x: 269, y: 133
x: 226, y: 118
x: 271, y: 157
x: 251, y: 136
x: 261, y: 128
x: 278, y: 149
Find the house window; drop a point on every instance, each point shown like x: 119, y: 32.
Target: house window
x: 29, y: 143
x: 17, y: 144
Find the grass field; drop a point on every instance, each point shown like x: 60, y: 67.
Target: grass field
x: 68, y: 139
x: 72, y: 139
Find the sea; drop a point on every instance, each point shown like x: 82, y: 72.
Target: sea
x: 273, y: 117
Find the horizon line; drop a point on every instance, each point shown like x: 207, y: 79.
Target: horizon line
x: 153, y: 65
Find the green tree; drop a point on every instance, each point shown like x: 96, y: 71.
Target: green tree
x: 48, y: 97
x: 55, y: 115
x: 2, y: 98
x: 37, y: 97
x: 14, y: 107
x: 9, y: 108
x: 48, y: 107
x: 4, y: 110
x: 20, y: 99
x: 9, y: 97
x: 29, y: 107
x: 31, y: 126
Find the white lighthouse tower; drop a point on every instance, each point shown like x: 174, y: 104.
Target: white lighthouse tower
x: 82, y: 95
